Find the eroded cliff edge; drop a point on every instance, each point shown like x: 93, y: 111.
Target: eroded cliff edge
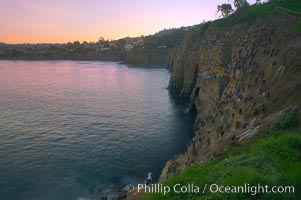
x: 239, y: 77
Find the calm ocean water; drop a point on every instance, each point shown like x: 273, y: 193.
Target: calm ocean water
x: 69, y: 129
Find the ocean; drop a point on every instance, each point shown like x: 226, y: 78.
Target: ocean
x: 69, y: 129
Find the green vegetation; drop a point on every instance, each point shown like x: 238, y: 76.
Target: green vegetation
x: 297, y: 98
x: 169, y: 38
x: 291, y: 4
x: 296, y: 27
x: 247, y: 13
x: 288, y: 122
x: 256, y: 11
x: 273, y: 160
x: 225, y: 9
x: 240, y: 3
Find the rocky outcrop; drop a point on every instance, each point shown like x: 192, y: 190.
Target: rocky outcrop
x: 234, y: 74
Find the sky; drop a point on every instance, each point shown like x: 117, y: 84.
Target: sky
x: 61, y: 21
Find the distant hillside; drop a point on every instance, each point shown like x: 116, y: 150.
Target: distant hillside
x: 149, y: 50
x: 156, y: 48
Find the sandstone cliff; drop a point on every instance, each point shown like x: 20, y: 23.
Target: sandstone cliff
x: 234, y: 73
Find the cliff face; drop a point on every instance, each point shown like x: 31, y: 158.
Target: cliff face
x: 234, y: 74
x: 142, y: 57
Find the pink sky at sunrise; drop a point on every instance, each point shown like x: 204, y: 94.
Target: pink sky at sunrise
x: 60, y: 21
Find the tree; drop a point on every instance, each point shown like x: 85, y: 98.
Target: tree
x: 101, y: 39
x: 76, y: 43
x: 240, y: 3
x: 225, y: 9
x: 258, y: 1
